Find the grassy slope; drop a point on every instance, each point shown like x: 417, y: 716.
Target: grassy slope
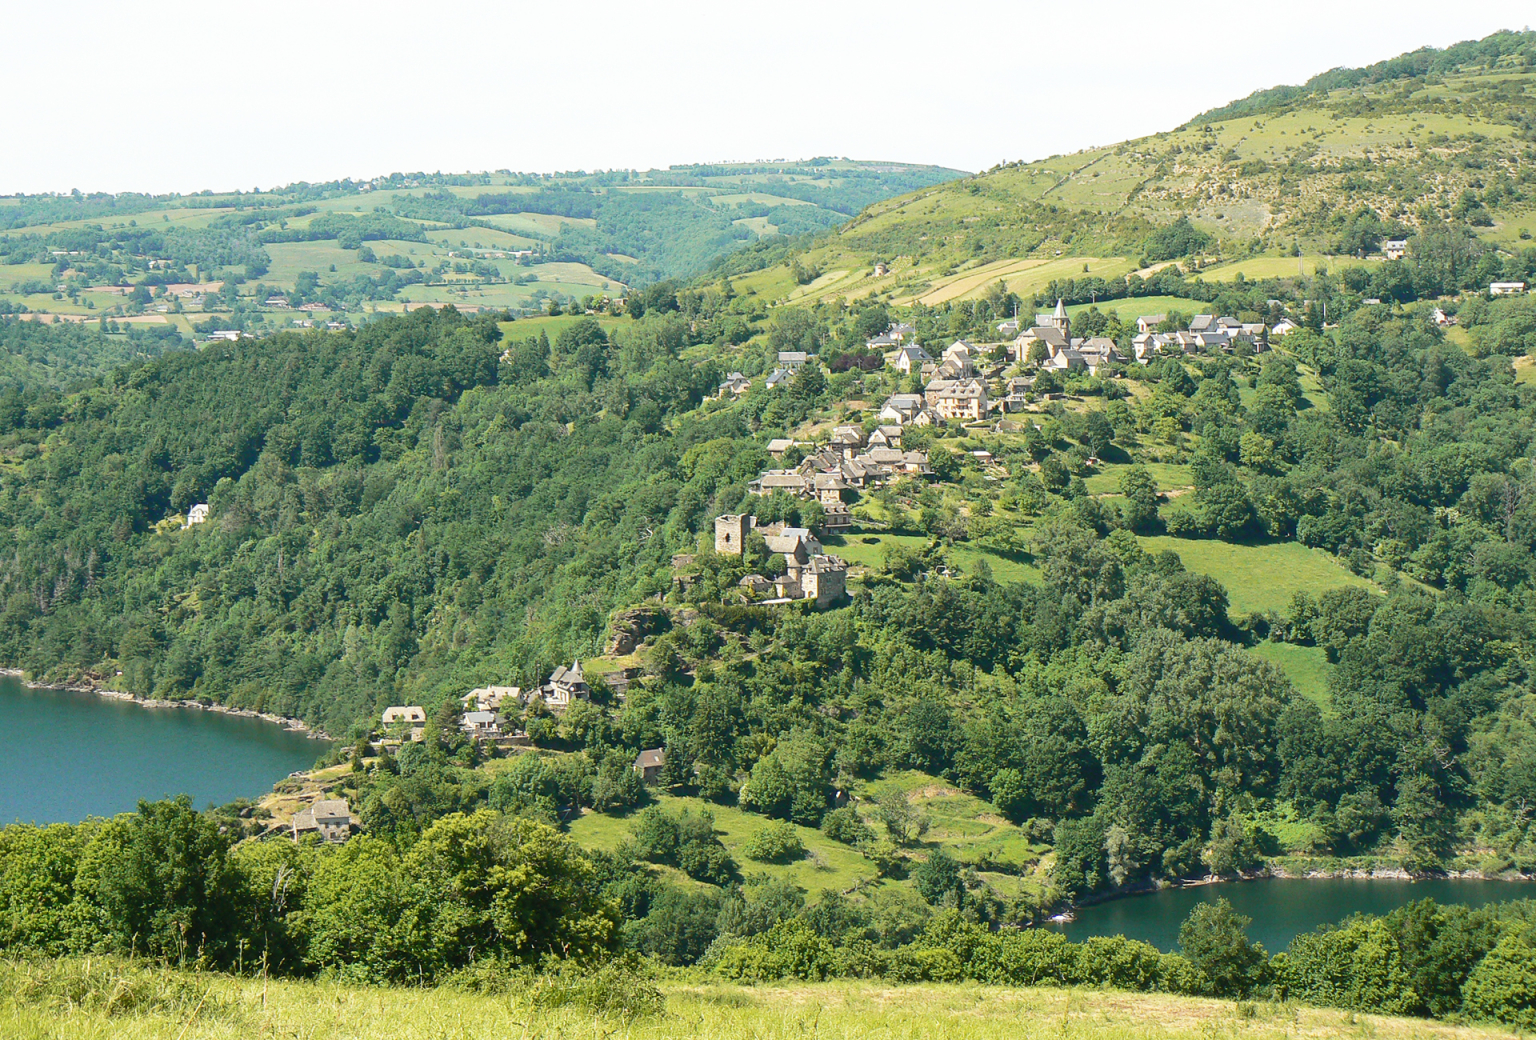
x: 1306, y: 666
x: 238, y: 1008
x: 969, y: 829
x: 953, y: 241
x: 1260, y: 576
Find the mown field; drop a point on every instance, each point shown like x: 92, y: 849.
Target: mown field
x: 69, y: 1001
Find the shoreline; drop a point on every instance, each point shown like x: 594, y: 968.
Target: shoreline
x: 1278, y: 872
x: 288, y: 723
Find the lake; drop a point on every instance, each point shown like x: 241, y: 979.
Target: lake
x: 1281, y: 908
x: 71, y: 755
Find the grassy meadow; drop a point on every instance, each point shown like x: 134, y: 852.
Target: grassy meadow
x: 1258, y: 576
x: 1306, y: 666
x: 106, y: 1000
x: 970, y: 830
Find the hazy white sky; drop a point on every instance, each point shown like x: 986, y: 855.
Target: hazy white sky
x: 175, y: 96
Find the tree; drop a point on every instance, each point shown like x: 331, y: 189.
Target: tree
x: 774, y: 843
x: 902, y: 822
x: 1140, y: 503
x: 938, y: 879
x: 1214, y: 940
x: 163, y: 885
x: 679, y: 927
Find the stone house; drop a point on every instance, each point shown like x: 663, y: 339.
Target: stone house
x: 565, y: 686
x: 650, y: 763
x: 330, y: 818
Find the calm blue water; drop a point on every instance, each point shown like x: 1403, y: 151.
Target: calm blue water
x: 65, y: 756
x: 1281, y: 908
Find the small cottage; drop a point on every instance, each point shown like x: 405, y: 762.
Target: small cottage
x: 650, y: 763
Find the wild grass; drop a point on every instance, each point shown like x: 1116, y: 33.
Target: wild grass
x: 698, y: 1010
x: 1306, y: 666
x: 827, y: 864
x: 1258, y: 576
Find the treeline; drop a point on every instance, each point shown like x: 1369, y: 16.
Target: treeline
x: 171, y: 884
x: 1423, y: 959
x: 1415, y: 65
x: 476, y: 894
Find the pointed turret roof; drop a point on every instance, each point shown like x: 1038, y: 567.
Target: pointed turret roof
x: 1061, y: 310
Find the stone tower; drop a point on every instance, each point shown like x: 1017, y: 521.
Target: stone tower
x: 1059, y: 320
x: 731, y: 533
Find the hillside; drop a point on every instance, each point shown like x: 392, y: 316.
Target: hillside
x: 347, y: 249
x: 1272, y: 185
x: 1264, y: 594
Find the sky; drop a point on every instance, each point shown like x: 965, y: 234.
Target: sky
x: 173, y: 96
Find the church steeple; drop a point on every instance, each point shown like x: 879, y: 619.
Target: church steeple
x: 1060, y: 320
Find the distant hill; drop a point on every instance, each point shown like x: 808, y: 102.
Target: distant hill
x: 492, y: 241
x: 1331, y: 167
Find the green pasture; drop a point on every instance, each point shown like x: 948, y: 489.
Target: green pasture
x: 827, y: 864
x: 538, y: 225
x: 867, y: 550
x: 1262, y: 576
x: 480, y: 238
x: 525, y: 328
x: 289, y: 258
x: 1105, y: 479
x: 1260, y: 267
x: 1306, y: 666
x: 1128, y: 310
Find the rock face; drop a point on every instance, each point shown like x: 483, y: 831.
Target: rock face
x: 631, y: 627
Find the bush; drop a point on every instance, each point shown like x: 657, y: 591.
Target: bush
x: 1214, y: 940
x: 1502, y: 988
x: 623, y: 987
x: 775, y: 843
x: 791, y: 949
x: 1357, y: 966
x: 847, y: 826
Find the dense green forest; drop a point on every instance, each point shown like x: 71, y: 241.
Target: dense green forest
x: 399, y: 515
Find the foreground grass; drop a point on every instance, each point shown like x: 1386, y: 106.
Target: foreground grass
x: 226, y: 1008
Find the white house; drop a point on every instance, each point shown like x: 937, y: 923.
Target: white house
x: 197, y: 514
x: 1506, y: 288
x: 908, y: 358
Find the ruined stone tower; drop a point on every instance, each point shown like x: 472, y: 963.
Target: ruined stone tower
x: 731, y: 533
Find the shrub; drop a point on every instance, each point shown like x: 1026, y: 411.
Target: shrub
x: 1502, y: 988
x: 1358, y: 966
x: 847, y: 826
x: 791, y: 949
x: 775, y: 843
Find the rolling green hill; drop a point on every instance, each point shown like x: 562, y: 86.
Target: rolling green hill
x: 501, y: 241
x: 1268, y: 186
